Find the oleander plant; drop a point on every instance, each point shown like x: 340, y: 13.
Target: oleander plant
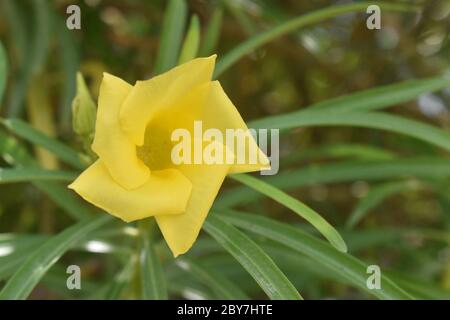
x: 357, y: 201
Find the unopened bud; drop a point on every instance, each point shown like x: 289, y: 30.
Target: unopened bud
x: 83, y: 110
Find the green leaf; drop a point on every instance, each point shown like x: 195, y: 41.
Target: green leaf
x: 153, y: 280
x: 34, y: 268
x: 262, y: 38
x: 343, y: 172
x: 374, y: 120
x: 69, y: 59
x: 257, y: 263
x: 238, y: 11
x: 114, y: 289
x: 15, y: 249
x: 384, y: 96
x: 212, y: 33
x: 189, y: 289
x: 64, y: 198
x: 219, y: 284
x: 420, y: 288
x: 191, y: 42
x: 339, y: 150
x: 12, y: 151
x: 295, y: 205
x: 374, y: 197
x: 171, y: 36
x: 33, y: 50
x: 342, y: 264
x: 3, y: 71
x: 291, y: 261
x: 27, y: 132
x: 8, y: 175
x: 15, y: 154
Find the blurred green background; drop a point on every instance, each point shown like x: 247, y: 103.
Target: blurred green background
x: 400, y: 221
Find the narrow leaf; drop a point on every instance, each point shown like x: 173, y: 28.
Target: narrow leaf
x: 425, y: 168
x: 3, y: 72
x: 33, y: 49
x: 114, y: 289
x: 171, y: 35
x: 69, y: 57
x: 374, y: 120
x: 289, y: 26
x: 339, y: 150
x: 295, y: 205
x: 34, y: 268
x: 374, y: 197
x: 257, y: 263
x: 384, y: 96
x: 27, y: 132
x: 15, y: 154
x: 191, y: 42
x: 153, y: 280
x: 64, y: 198
x: 212, y: 33
x: 343, y: 264
x: 14, y: 175
x: 219, y: 284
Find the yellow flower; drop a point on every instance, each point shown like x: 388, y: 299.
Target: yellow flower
x: 134, y: 177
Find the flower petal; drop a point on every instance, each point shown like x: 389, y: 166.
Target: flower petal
x: 219, y: 112
x: 181, y: 231
x: 113, y: 147
x: 164, y: 192
x: 150, y: 97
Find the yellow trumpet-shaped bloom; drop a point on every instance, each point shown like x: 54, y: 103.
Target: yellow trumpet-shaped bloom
x: 134, y: 176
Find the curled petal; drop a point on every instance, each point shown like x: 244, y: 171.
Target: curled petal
x: 220, y: 113
x: 148, y: 98
x: 181, y: 231
x: 112, y: 146
x: 166, y: 192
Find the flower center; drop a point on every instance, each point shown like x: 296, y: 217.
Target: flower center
x: 156, y: 150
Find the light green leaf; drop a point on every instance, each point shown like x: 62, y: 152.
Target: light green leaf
x: 262, y: 38
x: 339, y: 150
x: 33, y: 50
x: 3, y: 71
x: 374, y: 197
x: 257, y: 263
x: 212, y: 33
x: 15, y: 249
x: 420, y: 288
x: 343, y: 172
x: 69, y: 57
x: 342, y: 264
x: 153, y: 279
x: 8, y: 175
x: 374, y: 120
x: 15, y: 154
x: 295, y: 205
x: 114, y: 289
x: 219, y: 284
x: 171, y: 36
x: 64, y: 198
x: 191, y: 42
x: 20, y: 285
x: 237, y: 9
x: 27, y: 132
x: 384, y: 96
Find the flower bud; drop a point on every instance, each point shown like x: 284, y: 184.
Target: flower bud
x: 83, y: 111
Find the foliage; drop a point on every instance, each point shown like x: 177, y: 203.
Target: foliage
x: 373, y: 181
